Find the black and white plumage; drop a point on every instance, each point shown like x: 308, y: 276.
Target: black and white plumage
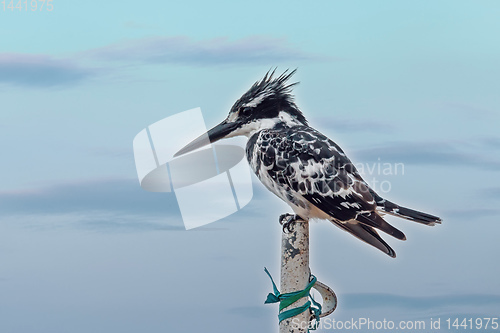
x: 305, y: 168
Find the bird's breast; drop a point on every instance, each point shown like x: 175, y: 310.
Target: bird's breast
x: 262, y: 158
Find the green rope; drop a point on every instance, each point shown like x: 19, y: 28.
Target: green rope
x: 288, y: 299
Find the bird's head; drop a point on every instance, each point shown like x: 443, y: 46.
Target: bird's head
x: 267, y: 104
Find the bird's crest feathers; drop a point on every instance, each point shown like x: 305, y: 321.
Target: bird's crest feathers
x: 269, y: 96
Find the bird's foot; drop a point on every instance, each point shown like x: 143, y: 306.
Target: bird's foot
x: 287, y: 221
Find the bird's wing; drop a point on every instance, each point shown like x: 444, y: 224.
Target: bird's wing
x: 368, y: 235
x: 315, y: 167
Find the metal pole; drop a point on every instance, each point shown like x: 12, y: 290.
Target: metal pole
x: 295, y: 273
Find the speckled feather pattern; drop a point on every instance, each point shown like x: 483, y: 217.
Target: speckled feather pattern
x: 299, y: 164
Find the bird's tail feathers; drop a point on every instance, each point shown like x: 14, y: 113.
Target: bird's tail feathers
x: 374, y: 220
x: 407, y: 213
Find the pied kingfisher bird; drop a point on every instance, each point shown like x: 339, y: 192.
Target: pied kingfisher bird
x: 303, y: 167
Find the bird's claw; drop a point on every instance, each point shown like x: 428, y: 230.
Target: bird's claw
x: 287, y: 221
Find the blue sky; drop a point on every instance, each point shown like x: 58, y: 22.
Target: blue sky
x: 83, y: 248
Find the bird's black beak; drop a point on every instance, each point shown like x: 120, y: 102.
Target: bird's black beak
x: 218, y: 132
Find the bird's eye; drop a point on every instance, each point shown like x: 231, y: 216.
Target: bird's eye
x: 245, y: 111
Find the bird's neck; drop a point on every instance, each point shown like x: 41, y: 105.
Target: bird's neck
x: 282, y: 120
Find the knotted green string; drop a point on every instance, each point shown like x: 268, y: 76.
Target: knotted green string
x: 290, y: 298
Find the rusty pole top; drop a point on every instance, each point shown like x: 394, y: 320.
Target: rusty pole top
x: 295, y: 276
